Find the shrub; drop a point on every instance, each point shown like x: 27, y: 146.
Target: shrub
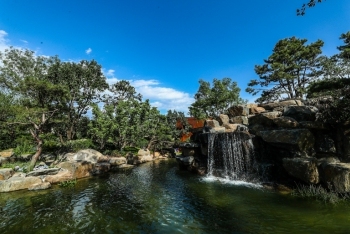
x: 319, y: 193
x: 76, y: 145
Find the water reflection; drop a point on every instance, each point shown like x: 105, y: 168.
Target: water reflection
x: 158, y: 198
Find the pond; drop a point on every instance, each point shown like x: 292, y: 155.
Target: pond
x: 156, y: 197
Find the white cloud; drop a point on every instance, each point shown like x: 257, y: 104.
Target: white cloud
x: 88, y: 51
x: 163, y: 98
x: 110, y: 73
x: 3, y: 41
x: 24, y: 41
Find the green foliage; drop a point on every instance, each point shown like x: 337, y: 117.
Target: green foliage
x: 24, y: 148
x: 215, y: 100
x: 76, y: 145
x: 12, y: 165
x: 319, y: 193
x: 288, y: 71
x: 68, y: 183
x: 310, y: 3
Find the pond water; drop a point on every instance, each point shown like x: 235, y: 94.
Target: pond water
x: 158, y: 198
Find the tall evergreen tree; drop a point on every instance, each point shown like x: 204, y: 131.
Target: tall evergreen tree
x: 288, y: 70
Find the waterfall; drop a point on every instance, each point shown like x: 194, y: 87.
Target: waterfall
x: 231, y: 156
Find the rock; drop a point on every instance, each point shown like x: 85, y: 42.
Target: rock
x: 264, y: 119
x: 271, y: 106
x: 7, y: 153
x: 78, y: 169
x: 272, y: 114
x: 231, y: 126
x: 251, y: 105
x: 324, y: 144
x: 6, y: 173
x: 40, y: 186
x: 143, y: 152
x: 304, y: 169
x: 101, y: 168
x: 321, y: 161
x: 313, y: 125
x: 63, y: 175
x: 185, y: 160
x: 212, y: 123
x: 301, y: 113
x: 285, y: 122
x: 291, y: 139
x: 19, y: 174
x: 223, y: 119
x: 18, y: 183
x: 188, y: 151
x: 217, y: 130
x: 40, y: 166
x: 49, y: 171
x: 3, y: 160
x: 142, y: 159
x: 238, y: 111
x: 88, y: 155
x: 336, y: 176
x: 239, y: 120
x: 256, y: 110
x: 116, y: 161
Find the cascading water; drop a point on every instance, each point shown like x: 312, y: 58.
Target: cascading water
x: 231, y: 156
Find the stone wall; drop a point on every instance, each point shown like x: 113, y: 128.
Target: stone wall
x: 296, y: 147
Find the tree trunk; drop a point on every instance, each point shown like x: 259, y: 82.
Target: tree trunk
x: 39, y: 149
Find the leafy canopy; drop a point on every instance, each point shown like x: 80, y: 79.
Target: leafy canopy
x: 211, y: 101
x: 288, y: 70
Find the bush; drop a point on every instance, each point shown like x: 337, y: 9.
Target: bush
x: 319, y: 193
x: 76, y: 145
x: 24, y: 148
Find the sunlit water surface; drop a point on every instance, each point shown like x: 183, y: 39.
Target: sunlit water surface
x: 158, y: 198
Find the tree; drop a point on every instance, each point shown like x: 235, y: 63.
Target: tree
x: 288, y: 71
x: 215, y: 100
x: 311, y: 3
x: 83, y: 82
x: 335, y: 82
x: 24, y: 76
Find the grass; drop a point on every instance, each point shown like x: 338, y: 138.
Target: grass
x: 319, y: 193
x: 12, y: 165
x: 68, y: 183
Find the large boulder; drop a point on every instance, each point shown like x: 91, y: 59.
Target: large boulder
x: 313, y: 125
x: 49, y: 171
x: 291, y: 139
x: 304, y: 169
x: 238, y: 111
x: 18, y: 183
x: 142, y: 156
x: 63, y: 175
x: 336, y: 176
x: 78, y: 169
x: 40, y: 186
x: 6, y: 173
x: 264, y: 119
x: 7, y: 153
x: 286, y: 122
x: 117, y: 161
x: 256, y: 110
x: 88, y: 155
x: 239, y: 120
x: 211, y: 123
x: 301, y: 113
x: 223, y: 119
x: 277, y: 105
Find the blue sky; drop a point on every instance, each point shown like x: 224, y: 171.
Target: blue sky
x: 165, y: 46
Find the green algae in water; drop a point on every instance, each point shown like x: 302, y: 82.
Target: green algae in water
x: 158, y: 198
